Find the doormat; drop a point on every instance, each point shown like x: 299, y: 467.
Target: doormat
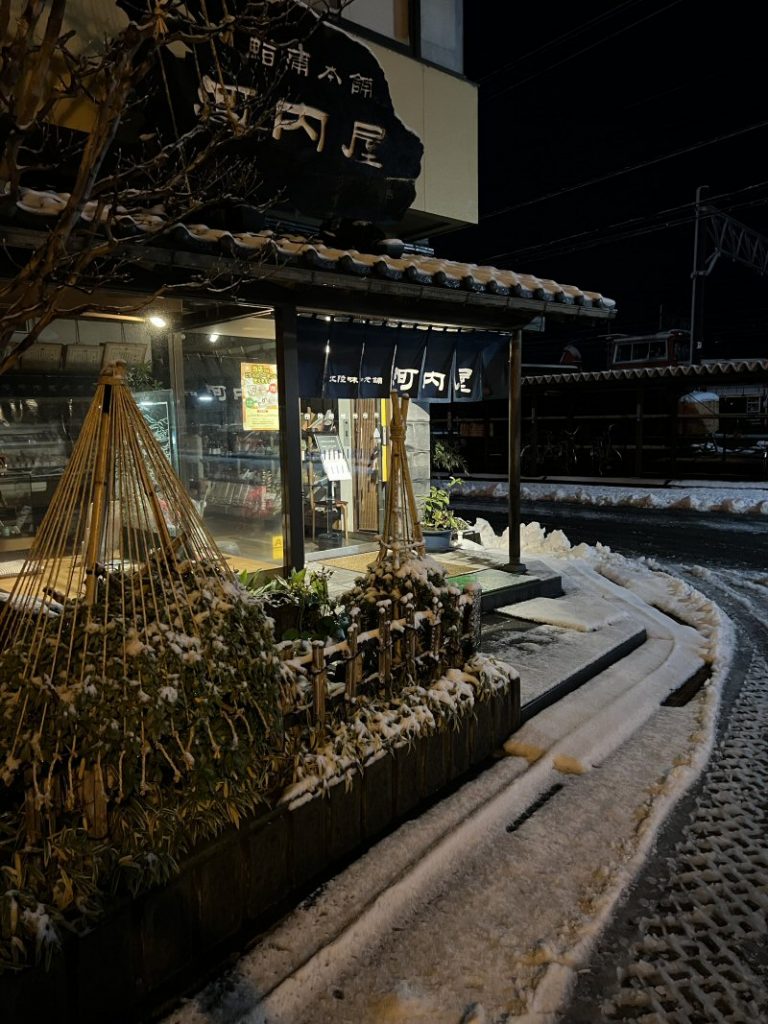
x: 359, y: 563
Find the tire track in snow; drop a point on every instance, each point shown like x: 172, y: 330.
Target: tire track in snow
x: 698, y: 953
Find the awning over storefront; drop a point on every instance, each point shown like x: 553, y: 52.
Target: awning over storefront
x: 350, y: 359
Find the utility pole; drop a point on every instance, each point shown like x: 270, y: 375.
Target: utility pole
x: 697, y: 278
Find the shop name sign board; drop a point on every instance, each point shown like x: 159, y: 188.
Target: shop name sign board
x: 352, y: 360
x: 310, y: 104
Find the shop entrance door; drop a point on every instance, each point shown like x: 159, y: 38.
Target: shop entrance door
x: 367, y: 458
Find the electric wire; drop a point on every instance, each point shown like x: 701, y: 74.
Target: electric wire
x: 674, y: 217
x: 600, y: 179
x: 572, y: 56
x: 576, y: 31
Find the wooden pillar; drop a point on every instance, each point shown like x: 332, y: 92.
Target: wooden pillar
x: 639, y: 410
x: 290, y: 436
x: 515, y: 378
x: 673, y: 428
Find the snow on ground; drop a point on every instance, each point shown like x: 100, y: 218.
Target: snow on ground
x: 483, y: 908
x: 748, y: 498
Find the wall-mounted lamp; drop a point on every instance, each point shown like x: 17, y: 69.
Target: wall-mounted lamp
x: 213, y: 338
x: 158, y: 321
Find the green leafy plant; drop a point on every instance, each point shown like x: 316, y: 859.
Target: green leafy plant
x: 437, y: 513
x: 299, y: 605
x: 448, y: 457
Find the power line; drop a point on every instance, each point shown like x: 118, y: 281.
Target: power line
x: 553, y: 251
x: 550, y: 248
x: 582, y: 27
x: 636, y: 226
x: 542, y: 71
x: 625, y: 170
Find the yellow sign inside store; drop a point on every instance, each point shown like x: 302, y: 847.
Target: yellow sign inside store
x: 260, y: 401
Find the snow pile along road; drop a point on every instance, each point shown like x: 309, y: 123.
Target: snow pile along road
x: 698, y: 496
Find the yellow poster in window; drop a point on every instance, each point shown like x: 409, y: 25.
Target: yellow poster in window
x: 260, y: 402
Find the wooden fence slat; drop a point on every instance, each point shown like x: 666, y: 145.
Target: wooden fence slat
x: 354, y: 667
x: 385, y: 648
x: 409, y: 644
x: 319, y: 683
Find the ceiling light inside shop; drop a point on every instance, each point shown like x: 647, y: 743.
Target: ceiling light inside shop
x: 213, y: 338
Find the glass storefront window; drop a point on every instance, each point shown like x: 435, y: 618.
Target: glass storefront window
x: 229, y: 438
x: 442, y: 33
x: 387, y: 17
x: 43, y: 402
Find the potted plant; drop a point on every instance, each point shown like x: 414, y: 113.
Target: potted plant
x: 439, y: 523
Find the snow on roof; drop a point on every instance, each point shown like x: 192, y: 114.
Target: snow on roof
x: 300, y: 251
x: 709, y: 369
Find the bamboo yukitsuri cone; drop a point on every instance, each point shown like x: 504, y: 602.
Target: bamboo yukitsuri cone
x: 139, y: 685
x: 404, y: 580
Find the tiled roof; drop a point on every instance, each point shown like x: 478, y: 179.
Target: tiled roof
x: 391, y: 263
x: 729, y: 367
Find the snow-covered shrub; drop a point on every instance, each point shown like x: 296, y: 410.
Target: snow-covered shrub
x: 161, y: 726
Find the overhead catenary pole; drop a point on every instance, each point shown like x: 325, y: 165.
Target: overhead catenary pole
x: 515, y: 376
x: 698, y: 274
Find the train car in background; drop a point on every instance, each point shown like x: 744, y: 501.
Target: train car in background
x: 665, y: 348
x: 649, y: 412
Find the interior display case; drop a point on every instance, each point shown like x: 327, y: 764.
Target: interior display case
x: 35, y: 441
x: 242, y: 480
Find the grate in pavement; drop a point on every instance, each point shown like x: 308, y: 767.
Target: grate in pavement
x: 703, y: 956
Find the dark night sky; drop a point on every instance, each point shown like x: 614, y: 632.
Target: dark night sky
x: 551, y: 118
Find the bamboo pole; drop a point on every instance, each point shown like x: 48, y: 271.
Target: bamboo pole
x: 111, y: 375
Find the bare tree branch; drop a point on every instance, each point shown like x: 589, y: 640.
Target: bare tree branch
x: 43, y: 65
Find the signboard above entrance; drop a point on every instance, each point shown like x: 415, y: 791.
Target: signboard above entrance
x: 357, y: 360
x: 308, y: 102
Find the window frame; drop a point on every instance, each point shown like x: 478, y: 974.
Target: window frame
x: 411, y: 49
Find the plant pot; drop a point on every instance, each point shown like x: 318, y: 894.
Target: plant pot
x: 437, y: 540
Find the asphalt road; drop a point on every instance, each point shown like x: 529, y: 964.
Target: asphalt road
x: 687, y: 942
x: 716, y: 540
